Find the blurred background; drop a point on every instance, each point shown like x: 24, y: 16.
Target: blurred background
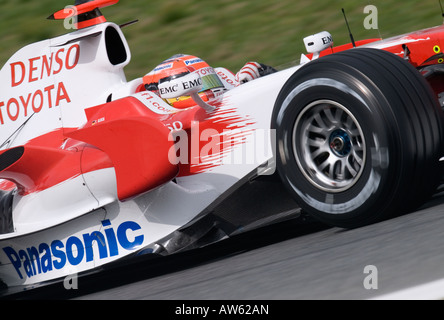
x: 225, y: 33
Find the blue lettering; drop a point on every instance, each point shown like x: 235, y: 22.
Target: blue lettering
x: 35, y: 261
x: 100, y: 239
x: 193, y: 61
x: 45, y: 260
x: 26, y: 263
x: 59, y: 254
x: 163, y: 67
x: 15, y: 260
x: 123, y: 239
x: 74, y: 241
x: 111, y: 237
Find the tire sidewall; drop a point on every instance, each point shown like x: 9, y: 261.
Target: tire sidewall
x: 365, y: 194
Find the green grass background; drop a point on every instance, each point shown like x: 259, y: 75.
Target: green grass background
x: 223, y: 32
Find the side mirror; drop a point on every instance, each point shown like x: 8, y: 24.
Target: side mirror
x: 187, y: 85
x: 318, y: 42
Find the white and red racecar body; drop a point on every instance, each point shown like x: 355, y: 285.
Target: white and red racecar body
x: 93, y: 178
x: 94, y: 169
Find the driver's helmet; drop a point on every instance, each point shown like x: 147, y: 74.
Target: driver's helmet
x: 179, y: 65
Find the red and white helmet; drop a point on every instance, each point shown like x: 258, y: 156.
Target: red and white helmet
x: 177, y: 66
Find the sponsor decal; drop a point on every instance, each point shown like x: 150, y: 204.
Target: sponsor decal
x: 163, y: 67
x: 206, y: 71
x: 150, y: 100
x: 327, y: 40
x: 33, y: 70
x: 226, y: 77
x: 192, y: 84
x: 180, y: 87
x: 56, y: 255
x: 193, y: 61
x: 170, y: 89
x: 94, y: 122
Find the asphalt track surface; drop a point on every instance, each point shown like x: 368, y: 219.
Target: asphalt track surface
x: 287, y: 261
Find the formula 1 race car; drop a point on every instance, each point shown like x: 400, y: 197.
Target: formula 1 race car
x: 95, y: 168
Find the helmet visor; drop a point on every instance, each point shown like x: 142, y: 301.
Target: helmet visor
x: 211, y: 81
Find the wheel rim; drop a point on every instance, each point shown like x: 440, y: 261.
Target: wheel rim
x: 329, y: 146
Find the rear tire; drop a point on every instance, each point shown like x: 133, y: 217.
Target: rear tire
x: 359, y: 137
